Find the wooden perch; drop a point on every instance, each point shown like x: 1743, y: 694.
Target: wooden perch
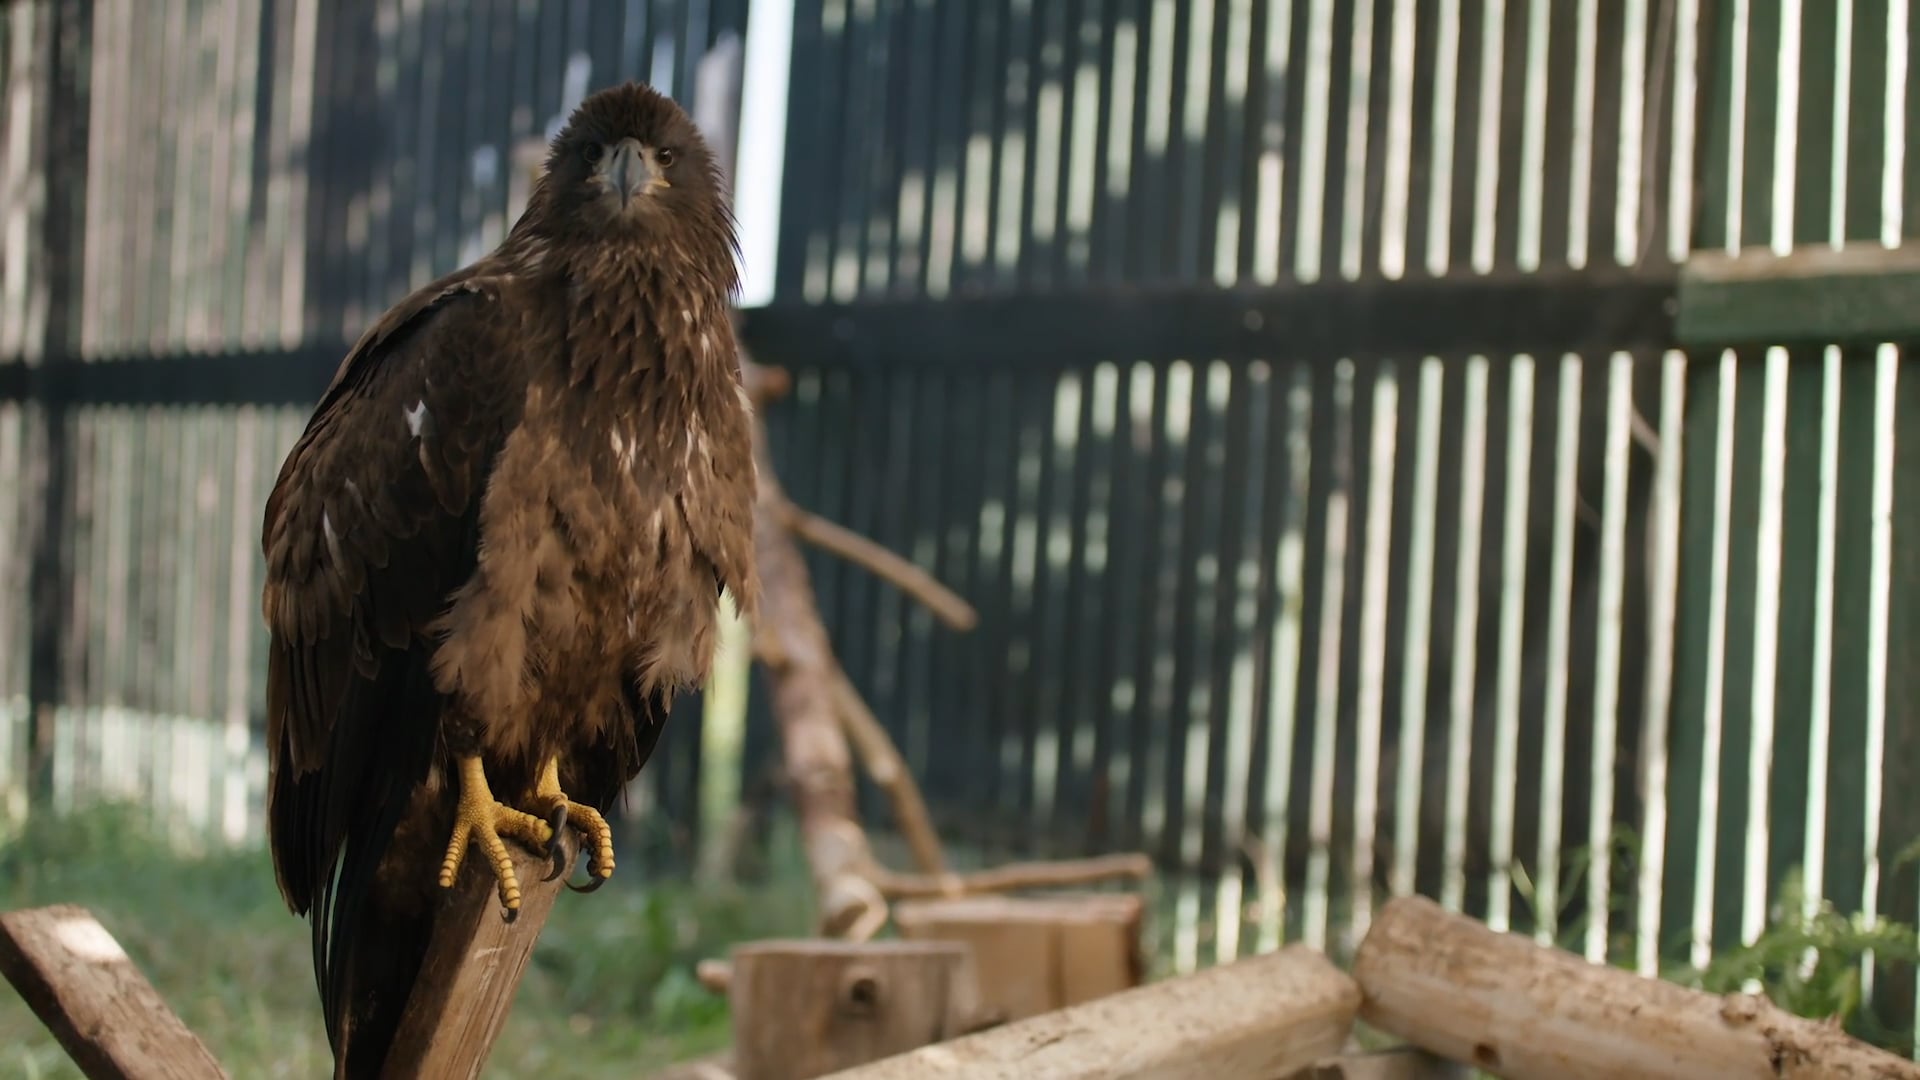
x: 473, y: 967
x: 1260, y: 1017
x: 1451, y: 985
x: 84, y: 988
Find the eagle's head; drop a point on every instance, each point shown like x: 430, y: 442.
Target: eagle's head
x: 630, y: 164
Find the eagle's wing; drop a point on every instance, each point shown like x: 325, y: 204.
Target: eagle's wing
x: 370, y: 525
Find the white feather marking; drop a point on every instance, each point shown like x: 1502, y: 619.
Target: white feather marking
x: 686, y: 314
x: 619, y: 444
x: 333, y: 538
x: 416, y: 417
x: 706, y: 345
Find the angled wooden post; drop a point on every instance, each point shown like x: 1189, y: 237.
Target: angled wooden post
x: 473, y: 968
x: 82, y: 985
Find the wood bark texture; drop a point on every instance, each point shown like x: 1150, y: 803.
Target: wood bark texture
x: 1521, y: 1010
x: 472, y: 970
x: 82, y: 985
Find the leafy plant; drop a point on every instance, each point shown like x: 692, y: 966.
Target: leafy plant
x: 1811, y: 963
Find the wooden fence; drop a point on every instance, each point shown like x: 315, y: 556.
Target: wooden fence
x: 1368, y: 481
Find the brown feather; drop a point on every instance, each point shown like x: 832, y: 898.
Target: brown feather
x: 501, y: 533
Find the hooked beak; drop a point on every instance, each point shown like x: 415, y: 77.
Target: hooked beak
x: 631, y: 172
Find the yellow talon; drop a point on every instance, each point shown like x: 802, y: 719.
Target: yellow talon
x: 483, y: 820
x: 586, y: 819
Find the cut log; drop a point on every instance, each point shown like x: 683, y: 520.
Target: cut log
x: 1519, y: 1009
x: 84, y: 988
x: 1037, y: 954
x: 1264, y: 1016
x: 473, y: 967
x: 807, y: 1008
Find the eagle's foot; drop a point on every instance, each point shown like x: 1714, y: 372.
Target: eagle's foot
x: 484, y: 821
x: 588, y: 822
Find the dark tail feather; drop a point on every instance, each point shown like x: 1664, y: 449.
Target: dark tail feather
x: 375, y: 966
x: 372, y: 922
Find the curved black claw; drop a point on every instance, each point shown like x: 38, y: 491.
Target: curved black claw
x: 593, y: 884
x: 557, y: 847
x: 508, y: 914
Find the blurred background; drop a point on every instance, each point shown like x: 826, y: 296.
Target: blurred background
x: 1372, y: 473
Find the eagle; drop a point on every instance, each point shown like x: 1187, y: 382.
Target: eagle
x: 500, y: 548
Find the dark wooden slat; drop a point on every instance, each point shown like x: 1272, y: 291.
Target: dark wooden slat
x: 1865, y: 141
x: 1793, y: 681
x: 1070, y: 686
x: 1500, y: 315
x: 1198, y: 507
x: 1610, y: 43
x: 1112, y: 735
x: 1742, y: 589
x: 1861, y: 294
x: 1141, y: 721
x: 1899, y: 896
x: 48, y: 447
x: 1234, y: 504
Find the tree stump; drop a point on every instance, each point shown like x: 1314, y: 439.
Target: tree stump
x: 808, y: 1008
x: 1037, y: 954
x: 1519, y: 1009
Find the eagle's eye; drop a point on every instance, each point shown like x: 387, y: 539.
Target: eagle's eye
x: 592, y: 152
x: 664, y: 156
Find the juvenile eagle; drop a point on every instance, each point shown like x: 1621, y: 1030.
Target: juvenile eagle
x: 498, y: 550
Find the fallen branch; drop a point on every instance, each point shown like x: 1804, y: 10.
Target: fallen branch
x: 106, y: 1014
x: 1451, y: 985
x: 886, y: 565
x: 1264, y: 1016
x: 1063, y: 874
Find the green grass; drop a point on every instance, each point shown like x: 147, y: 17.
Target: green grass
x: 610, y: 991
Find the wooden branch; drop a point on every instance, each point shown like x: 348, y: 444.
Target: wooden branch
x: 884, y: 764
x: 1061, y: 874
x: 791, y: 641
x: 715, y: 975
x: 1264, y: 1016
x: 82, y: 985
x: 803, y: 1009
x: 1451, y: 985
x: 473, y: 967
x: 839, y: 540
